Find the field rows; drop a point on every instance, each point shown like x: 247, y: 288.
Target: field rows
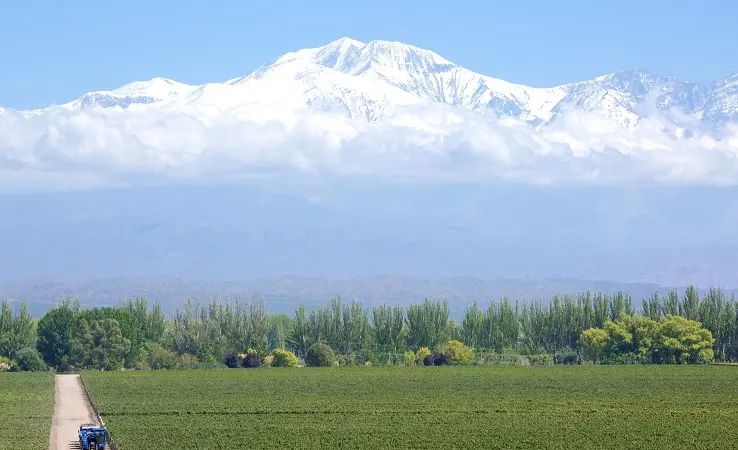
x: 447, y: 407
x: 26, y: 407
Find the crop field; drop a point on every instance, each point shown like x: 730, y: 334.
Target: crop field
x: 26, y: 407
x: 635, y: 407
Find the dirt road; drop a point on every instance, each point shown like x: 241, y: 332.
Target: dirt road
x: 70, y: 410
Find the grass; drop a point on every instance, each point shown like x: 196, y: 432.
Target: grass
x: 635, y: 407
x: 26, y: 407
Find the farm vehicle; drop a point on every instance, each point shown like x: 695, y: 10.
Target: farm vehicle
x: 92, y: 437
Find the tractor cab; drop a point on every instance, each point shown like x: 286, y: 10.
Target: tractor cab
x: 92, y: 437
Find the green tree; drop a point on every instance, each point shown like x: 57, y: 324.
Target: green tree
x: 680, y: 340
x: 299, y: 339
x: 472, y: 327
x: 82, y: 345
x: 29, y: 360
x: 320, y: 355
x: 632, y: 334
x: 427, y: 323
x: 689, y: 307
x: 150, y: 322
x: 56, y: 332
x: 388, y: 328
x: 593, y: 343
x: 17, y: 330
x: 109, y: 346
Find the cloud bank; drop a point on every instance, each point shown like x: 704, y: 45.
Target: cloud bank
x: 96, y: 147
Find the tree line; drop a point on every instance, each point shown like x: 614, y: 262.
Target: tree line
x: 589, y: 327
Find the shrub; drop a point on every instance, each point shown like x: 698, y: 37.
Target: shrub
x: 188, y: 361
x: 5, y: 364
x: 29, y: 360
x: 284, y: 358
x: 440, y: 359
x: 141, y: 365
x: 351, y: 360
x: 65, y: 367
x: 421, y: 355
x: 232, y: 361
x: 158, y: 357
x: 503, y: 359
x: 268, y: 360
x: 320, y: 355
x: 252, y: 361
x: 205, y: 365
x: 566, y: 356
x: 456, y: 352
x: 542, y: 359
x: 409, y: 358
x: 619, y: 358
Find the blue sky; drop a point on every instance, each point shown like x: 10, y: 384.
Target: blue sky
x: 54, y: 52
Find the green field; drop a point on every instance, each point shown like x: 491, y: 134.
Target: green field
x: 582, y: 407
x: 26, y: 407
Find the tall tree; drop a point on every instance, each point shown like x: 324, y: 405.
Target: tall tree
x: 56, y: 332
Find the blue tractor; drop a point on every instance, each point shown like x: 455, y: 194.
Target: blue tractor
x: 92, y: 437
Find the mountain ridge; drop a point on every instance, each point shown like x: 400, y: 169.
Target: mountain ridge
x: 284, y: 294
x: 368, y: 81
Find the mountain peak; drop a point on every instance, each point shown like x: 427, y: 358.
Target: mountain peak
x: 353, y: 57
x: 157, y: 87
x: 371, y: 79
x: 342, y: 43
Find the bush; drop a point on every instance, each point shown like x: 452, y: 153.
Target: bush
x: 505, y: 359
x: 320, y: 355
x: 268, y: 360
x: 65, y: 367
x: 423, y: 352
x: 29, y: 360
x: 252, y: 361
x: 158, y: 357
x: 440, y: 359
x: 141, y: 365
x: 456, y: 352
x: 409, y: 358
x: 231, y: 361
x: 284, y: 358
x: 542, y: 359
x: 205, y: 365
x: 6, y: 364
x: 619, y: 358
x: 566, y: 356
x: 351, y: 360
x: 188, y: 361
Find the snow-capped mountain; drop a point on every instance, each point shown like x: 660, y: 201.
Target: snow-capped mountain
x: 157, y: 90
x: 369, y: 81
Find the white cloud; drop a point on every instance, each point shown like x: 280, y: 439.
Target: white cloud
x: 95, y: 147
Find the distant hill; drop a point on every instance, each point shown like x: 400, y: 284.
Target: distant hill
x: 282, y: 295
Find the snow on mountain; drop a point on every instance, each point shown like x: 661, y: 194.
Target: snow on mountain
x: 433, y: 78
x: 720, y: 100
x: 369, y: 81
x: 295, y: 82
x: 154, y: 91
